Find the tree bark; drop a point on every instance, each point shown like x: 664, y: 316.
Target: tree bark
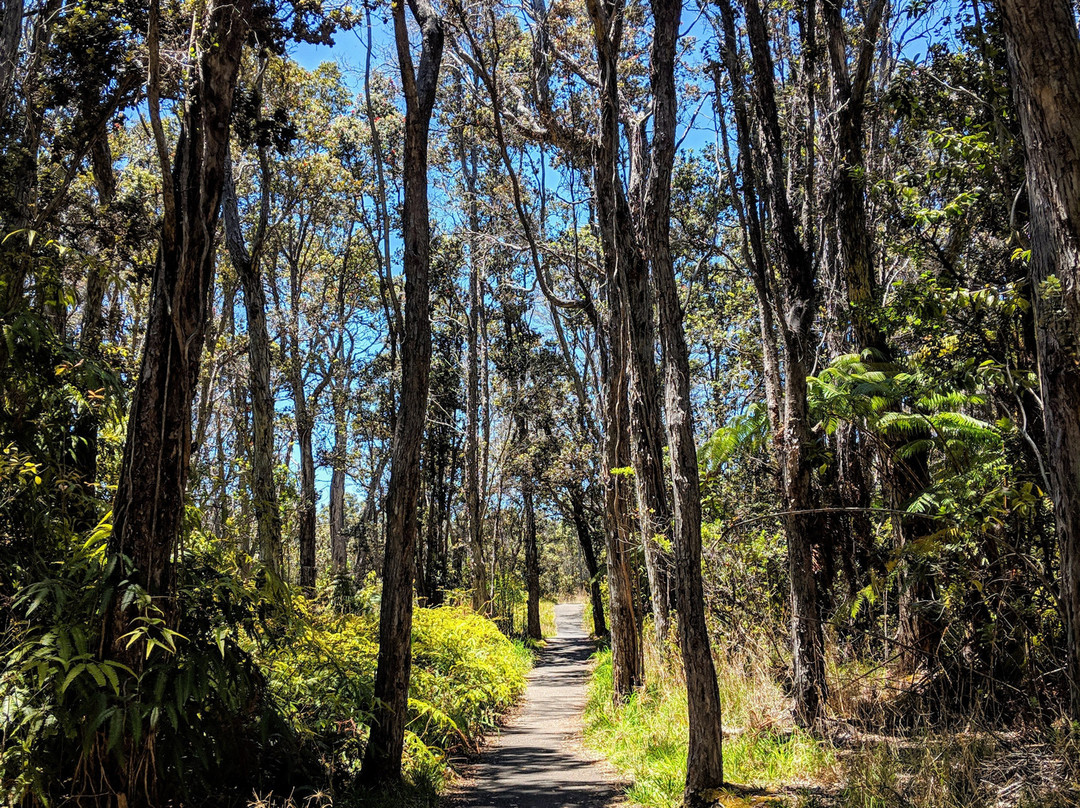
x: 705, y: 762
x: 382, y: 758
x: 647, y: 446
x: 798, y: 309
x: 153, y: 476
x: 532, y: 561
x: 246, y: 262
x: 1044, y: 60
x: 338, y: 550
x: 10, y: 34
x: 613, y: 222
x: 305, y: 427
x: 481, y: 596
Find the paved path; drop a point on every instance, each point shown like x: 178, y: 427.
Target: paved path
x: 538, y: 761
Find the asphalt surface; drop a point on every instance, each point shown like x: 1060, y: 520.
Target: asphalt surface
x: 538, y: 760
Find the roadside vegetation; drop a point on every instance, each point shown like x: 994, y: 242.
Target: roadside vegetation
x: 320, y: 319
x: 258, y: 690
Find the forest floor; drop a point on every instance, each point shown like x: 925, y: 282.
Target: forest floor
x: 538, y: 760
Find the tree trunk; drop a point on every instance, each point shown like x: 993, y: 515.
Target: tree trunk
x: 647, y: 446
x: 532, y: 553
x: 306, y: 516
x: 1044, y: 59
x: 705, y: 763
x: 585, y: 539
x: 613, y: 223
x: 481, y: 597
x: 798, y: 309
x: 338, y: 550
x: 628, y: 667
x: 246, y: 263
x: 382, y: 758
x: 85, y: 429
x: 153, y: 476
x: 903, y: 479
x: 10, y: 34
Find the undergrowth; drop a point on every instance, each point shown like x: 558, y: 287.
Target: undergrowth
x: 646, y: 737
x: 256, y: 691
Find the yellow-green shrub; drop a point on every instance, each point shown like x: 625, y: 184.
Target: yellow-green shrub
x: 465, y: 673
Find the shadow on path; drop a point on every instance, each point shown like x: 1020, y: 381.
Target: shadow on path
x: 537, y: 761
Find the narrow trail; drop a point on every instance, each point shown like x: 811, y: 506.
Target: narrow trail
x: 538, y: 760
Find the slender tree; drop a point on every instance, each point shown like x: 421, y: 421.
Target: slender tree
x: 153, y: 476
x: 246, y: 260
x: 382, y: 758
x: 705, y: 762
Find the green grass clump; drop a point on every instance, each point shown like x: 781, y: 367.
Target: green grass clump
x: 646, y: 737
x: 547, y: 618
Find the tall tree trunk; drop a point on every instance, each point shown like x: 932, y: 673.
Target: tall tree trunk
x: 153, y: 475
x: 338, y: 550
x: 10, y: 34
x: 382, y: 758
x: 246, y: 262
x: 902, y: 479
x: 798, y: 308
x: 85, y: 430
x: 647, y: 446
x: 532, y: 551
x: 306, y: 515
x: 481, y: 596
x: 705, y: 762
x: 15, y: 261
x: 614, y: 225
x: 1044, y: 60
x: 628, y: 667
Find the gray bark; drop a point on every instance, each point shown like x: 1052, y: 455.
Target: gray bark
x: 1044, y: 60
x: 382, y: 758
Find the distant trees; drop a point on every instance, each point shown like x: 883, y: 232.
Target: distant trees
x: 823, y: 347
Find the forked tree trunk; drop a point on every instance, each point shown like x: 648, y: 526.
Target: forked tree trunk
x: 903, y: 478
x: 1044, y: 59
x: 382, y: 758
x: 797, y: 308
x: 588, y: 552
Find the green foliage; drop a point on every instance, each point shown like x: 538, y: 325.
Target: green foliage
x: 245, y: 688
x: 193, y: 713
x: 465, y: 674
x: 646, y: 737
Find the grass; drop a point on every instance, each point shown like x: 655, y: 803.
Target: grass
x: 547, y: 620
x: 645, y: 738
